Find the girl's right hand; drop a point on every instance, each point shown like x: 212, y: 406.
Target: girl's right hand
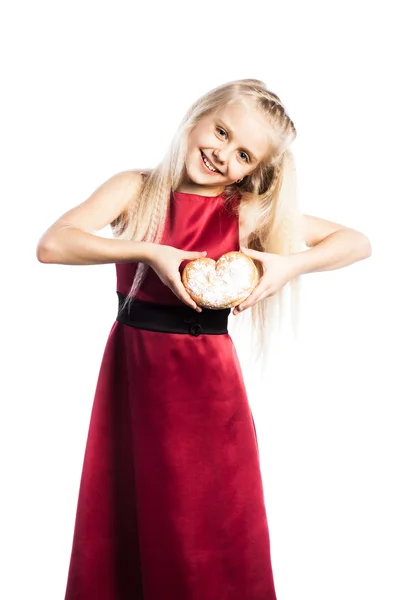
x: 165, y: 261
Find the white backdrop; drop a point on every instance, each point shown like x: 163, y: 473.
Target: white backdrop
x: 91, y: 89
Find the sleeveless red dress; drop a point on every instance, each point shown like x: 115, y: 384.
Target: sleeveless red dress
x: 171, y: 503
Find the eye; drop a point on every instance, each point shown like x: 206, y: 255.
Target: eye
x: 247, y: 159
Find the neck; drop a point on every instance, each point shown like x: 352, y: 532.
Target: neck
x: 202, y: 190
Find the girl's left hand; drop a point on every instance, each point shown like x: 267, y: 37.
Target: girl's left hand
x: 278, y: 270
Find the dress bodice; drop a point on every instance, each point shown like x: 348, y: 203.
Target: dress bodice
x: 194, y: 223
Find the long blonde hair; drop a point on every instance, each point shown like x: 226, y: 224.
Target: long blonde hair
x: 268, y: 212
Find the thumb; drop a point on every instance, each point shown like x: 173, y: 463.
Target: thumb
x: 196, y: 254
x: 254, y: 254
x: 250, y: 251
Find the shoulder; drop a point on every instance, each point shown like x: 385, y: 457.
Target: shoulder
x: 133, y: 178
x: 125, y: 186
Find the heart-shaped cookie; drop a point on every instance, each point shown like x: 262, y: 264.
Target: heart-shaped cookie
x: 220, y: 284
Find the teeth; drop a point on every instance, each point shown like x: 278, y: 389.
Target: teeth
x: 208, y: 164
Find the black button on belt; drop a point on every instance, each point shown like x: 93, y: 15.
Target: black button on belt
x: 194, y: 327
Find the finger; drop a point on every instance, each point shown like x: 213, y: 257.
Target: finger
x: 194, y: 255
x: 179, y: 290
x: 265, y: 294
x: 186, y: 300
x: 259, y: 289
x: 251, y: 252
x: 251, y: 300
x: 255, y: 255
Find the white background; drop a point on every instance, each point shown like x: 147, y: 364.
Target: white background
x: 90, y: 89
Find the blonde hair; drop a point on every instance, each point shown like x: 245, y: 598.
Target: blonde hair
x: 268, y: 212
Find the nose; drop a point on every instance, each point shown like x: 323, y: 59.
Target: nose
x: 219, y: 157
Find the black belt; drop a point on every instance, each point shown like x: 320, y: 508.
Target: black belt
x: 171, y: 318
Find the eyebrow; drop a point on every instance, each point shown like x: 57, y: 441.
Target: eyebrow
x: 246, y: 149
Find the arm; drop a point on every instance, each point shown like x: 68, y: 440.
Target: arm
x: 331, y: 246
x: 69, y: 241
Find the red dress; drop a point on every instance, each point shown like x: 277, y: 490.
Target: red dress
x: 171, y: 503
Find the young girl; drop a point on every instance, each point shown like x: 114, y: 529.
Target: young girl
x: 171, y: 503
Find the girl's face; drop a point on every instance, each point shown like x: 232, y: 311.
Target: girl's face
x: 225, y: 147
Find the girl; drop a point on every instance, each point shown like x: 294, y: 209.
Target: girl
x: 171, y: 503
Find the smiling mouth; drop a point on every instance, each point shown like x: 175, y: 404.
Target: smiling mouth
x: 208, y: 164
